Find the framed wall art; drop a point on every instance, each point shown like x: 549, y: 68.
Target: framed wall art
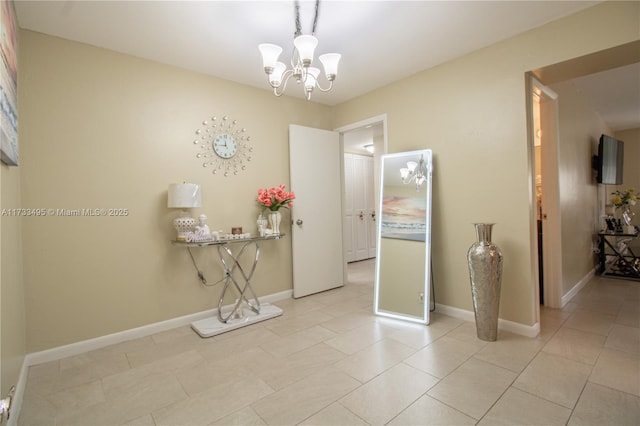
x: 8, y: 84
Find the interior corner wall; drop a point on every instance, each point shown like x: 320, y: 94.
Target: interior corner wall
x: 581, y: 198
x: 12, y: 304
x: 472, y: 113
x: 630, y: 174
x: 104, y: 130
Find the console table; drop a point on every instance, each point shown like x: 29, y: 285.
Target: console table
x: 247, y: 309
x: 617, y: 260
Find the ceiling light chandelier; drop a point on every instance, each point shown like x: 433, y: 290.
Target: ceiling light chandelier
x: 414, y: 172
x: 301, y: 59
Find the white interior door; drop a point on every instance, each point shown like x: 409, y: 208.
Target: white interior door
x: 551, y: 223
x: 371, y: 206
x: 359, y: 212
x: 315, y: 160
x: 359, y: 201
x: 349, y: 213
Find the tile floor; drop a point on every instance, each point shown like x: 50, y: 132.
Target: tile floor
x: 329, y: 361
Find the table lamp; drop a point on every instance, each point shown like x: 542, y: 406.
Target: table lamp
x: 184, y: 196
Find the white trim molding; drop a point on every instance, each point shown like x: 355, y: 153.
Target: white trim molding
x: 134, y: 333
x: 513, y: 327
x: 576, y: 288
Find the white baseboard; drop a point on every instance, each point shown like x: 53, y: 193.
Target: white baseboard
x: 513, y: 327
x: 16, y: 404
x: 576, y: 288
x: 134, y: 333
x: 77, y: 348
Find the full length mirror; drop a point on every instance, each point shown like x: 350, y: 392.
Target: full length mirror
x: 404, y: 237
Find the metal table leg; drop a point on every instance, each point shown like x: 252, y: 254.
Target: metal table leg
x: 238, y: 277
x: 225, y: 254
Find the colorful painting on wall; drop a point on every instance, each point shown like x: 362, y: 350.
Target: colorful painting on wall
x: 8, y: 84
x: 404, y: 218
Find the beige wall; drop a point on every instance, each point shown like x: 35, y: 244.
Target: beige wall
x: 631, y: 173
x: 12, y: 306
x: 471, y: 113
x: 581, y: 198
x: 631, y: 167
x: 104, y: 130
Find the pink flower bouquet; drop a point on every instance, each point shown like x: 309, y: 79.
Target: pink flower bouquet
x: 275, y: 197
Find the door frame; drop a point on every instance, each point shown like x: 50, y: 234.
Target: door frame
x: 378, y: 151
x: 552, y: 229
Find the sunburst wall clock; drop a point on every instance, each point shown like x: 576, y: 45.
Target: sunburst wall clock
x: 223, y: 146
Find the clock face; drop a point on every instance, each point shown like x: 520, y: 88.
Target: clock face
x: 225, y: 145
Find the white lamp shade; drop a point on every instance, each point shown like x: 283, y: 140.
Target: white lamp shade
x: 276, y: 76
x: 404, y: 173
x: 330, y: 63
x: 412, y: 165
x: 184, y: 196
x: 312, y: 77
x: 306, y: 45
x: 270, y: 53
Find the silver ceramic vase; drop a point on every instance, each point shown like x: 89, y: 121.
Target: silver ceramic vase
x: 485, y: 271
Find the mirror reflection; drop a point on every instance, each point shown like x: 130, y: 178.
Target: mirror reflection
x: 404, y: 237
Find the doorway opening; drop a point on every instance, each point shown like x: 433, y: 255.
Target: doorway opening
x: 537, y: 148
x: 362, y: 145
x: 543, y: 137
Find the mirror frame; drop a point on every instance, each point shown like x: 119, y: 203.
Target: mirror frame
x: 426, y: 186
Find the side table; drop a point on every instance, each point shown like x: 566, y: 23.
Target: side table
x: 617, y: 260
x: 247, y: 309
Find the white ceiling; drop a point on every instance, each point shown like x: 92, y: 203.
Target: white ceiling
x: 614, y: 95
x: 380, y: 41
x: 356, y: 140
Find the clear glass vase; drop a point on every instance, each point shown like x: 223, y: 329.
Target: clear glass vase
x: 627, y: 215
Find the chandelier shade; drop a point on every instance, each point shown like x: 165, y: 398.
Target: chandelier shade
x: 270, y: 53
x: 414, y: 172
x: 330, y: 64
x: 301, y: 70
x: 312, y: 78
x: 306, y: 45
x: 275, y: 78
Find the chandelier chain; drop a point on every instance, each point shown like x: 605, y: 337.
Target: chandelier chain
x: 298, y: 26
x: 315, y: 18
